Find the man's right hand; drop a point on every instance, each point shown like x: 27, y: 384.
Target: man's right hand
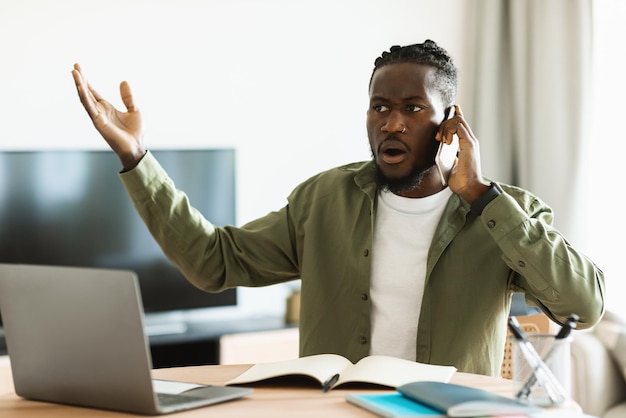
x: 122, y: 130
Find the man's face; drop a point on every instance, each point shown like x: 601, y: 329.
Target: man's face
x: 404, y: 114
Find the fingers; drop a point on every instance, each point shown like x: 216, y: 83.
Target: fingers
x: 457, y: 110
x: 84, y: 92
x: 90, y: 98
x: 449, y: 127
x: 455, y: 124
x: 127, y: 97
x: 96, y: 107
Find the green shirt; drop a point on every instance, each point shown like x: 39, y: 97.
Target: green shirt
x: 323, y: 236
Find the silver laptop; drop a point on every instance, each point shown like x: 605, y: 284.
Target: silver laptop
x: 75, y: 336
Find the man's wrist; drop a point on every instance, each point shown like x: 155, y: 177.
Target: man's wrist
x: 131, y: 161
x: 478, y: 205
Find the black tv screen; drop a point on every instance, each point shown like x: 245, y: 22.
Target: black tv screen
x: 70, y: 208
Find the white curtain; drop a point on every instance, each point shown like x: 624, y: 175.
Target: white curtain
x: 528, y: 87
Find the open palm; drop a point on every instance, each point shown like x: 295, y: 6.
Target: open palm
x: 122, y: 130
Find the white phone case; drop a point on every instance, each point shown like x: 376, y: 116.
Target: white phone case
x: 446, y: 155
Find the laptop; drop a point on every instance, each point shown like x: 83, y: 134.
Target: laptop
x: 76, y: 336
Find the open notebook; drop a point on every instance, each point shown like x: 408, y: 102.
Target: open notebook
x: 76, y: 336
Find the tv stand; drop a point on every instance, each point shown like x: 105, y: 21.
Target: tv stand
x: 194, y: 341
x: 191, y: 340
x: 175, y: 328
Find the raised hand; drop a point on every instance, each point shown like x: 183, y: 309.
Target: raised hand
x: 466, y: 176
x: 122, y: 130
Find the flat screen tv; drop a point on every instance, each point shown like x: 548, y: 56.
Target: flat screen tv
x: 70, y: 208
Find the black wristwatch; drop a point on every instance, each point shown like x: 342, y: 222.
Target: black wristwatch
x: 479, y: 204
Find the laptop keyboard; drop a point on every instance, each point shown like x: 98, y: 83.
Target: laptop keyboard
x: 167, y: 399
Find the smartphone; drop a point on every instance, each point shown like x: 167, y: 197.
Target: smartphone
x: 446, y: 155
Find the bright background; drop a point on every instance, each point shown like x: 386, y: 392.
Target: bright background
x: 284, y: 82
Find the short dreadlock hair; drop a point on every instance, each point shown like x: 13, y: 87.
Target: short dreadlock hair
x: 427, y: 53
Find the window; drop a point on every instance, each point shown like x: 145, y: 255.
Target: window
x: 604, y: 220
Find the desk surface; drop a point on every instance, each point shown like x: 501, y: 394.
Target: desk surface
x: 266, y: 401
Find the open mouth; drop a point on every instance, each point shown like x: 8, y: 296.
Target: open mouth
x: 393, y: 152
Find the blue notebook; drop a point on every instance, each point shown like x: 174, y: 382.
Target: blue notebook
x: 392, y: 405
x: 463, y: 401
x: 436, y: 399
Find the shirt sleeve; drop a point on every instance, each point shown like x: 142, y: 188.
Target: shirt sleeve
x: 554, y: 276
x: 212, y: 258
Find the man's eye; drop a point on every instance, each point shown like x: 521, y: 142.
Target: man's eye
x: 413, y: 108
x: 380, y: 108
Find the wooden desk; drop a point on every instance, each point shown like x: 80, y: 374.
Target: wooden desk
x: 266, y: 401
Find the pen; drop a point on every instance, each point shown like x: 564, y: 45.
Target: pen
x: 330, y: 382
x: 563, y: 333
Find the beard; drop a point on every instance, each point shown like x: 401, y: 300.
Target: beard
x: 400, y: 185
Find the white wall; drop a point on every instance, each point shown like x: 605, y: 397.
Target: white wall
x: 282, y: 81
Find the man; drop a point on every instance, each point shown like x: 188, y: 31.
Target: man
x: 391, y: 261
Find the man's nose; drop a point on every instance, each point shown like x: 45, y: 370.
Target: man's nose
x: 394, y: 123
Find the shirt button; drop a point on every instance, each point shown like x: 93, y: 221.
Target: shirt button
x: 521, y: 263
x: 363, y: 340
x: 366, y: 253
x: 491, y: 224
x: 364, y: 296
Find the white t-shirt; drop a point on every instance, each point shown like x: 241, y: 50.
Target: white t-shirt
x: 403, y: 231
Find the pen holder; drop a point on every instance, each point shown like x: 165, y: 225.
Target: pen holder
x: 547, y: 383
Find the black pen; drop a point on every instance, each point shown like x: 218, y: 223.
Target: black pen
x: 330, y: 382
